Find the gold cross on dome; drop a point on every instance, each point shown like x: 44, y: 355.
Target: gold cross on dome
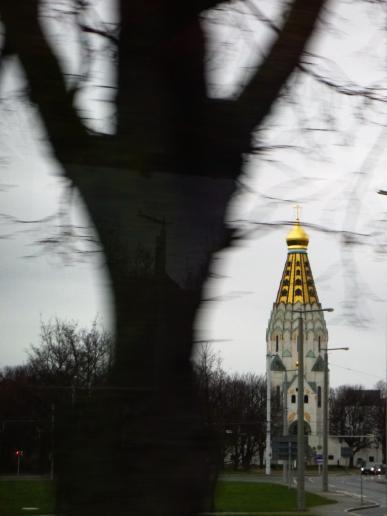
x: 297, y: 208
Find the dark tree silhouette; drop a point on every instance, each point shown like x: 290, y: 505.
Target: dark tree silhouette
x: 162, y: 181
x: 352, y: 415
x: 245, y: 419
x: 70, y: 362
x: 24, y: 421
x: 234, y: 406
x: 379, y: 416
x: 70, y: 356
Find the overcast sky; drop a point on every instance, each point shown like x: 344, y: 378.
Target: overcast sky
x: 331, y: 160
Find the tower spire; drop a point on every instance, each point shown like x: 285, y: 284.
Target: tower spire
x: 297, y: 209
x: 297, y: 284
x: 297, y: 238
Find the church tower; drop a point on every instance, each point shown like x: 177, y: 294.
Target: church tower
x: 297, y: 291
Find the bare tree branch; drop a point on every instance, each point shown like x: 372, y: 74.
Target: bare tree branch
x: 261, y: 16
x: 350, y: 89
x: 48, y: 91
x: 263, y: 89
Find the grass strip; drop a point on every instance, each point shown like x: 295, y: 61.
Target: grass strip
x: 261, y: 497
x: 238, y: 497
x: 16, y: 494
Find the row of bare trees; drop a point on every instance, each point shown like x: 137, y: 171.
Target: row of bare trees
x: 67, y: 364
x: 235, y: 407
x: 70, y: 360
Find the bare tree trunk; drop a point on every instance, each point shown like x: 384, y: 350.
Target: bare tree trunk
x: 158, y: 417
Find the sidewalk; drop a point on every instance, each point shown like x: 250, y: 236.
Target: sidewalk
x: 346, y: 502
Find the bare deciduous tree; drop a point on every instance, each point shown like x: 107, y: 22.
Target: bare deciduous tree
x: 175, y: 155
x: 70, y: 355
x: 352, y: 411
x: 245, y: 419
x: 235, y: 407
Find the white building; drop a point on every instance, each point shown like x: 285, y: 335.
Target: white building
x: 297, y: 291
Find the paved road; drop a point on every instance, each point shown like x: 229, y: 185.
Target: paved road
x: 370, y: 489
x: 356, y: 490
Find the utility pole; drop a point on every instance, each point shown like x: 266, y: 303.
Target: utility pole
x: 285, y: 422
x: 325, y: 425
x: 325, y: 486
x: 286, y: 463
x: 52, y: 432
x: 268, y: 415
x: 300, y: 418
x: 384, y: 192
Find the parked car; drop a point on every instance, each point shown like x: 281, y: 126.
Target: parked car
x: 368, y: 468
x: 373, y: 469
x: 380, y: 469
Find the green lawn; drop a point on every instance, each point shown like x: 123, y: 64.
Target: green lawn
x: 16, y: 494
x: 230, y: 497
x: 260, y: 497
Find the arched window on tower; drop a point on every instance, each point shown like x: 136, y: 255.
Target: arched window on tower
x: 319, y: 396
x: 276, y: 344
x: 306, y: 398
x: 319, y: 344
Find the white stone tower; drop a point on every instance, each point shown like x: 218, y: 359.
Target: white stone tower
x: 297, y: 291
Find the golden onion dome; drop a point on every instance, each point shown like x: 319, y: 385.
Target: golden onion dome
x: 297, y: 237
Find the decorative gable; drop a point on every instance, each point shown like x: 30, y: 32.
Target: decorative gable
x: 319, y: 365
x: 277, y: 364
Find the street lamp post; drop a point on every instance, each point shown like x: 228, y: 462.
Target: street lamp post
x: 286, y: 463
x: 300, y: 417
x: 300, y: 409
x: 384, y: 192
x: 325, y: 418
x: 325, y: 424
x: 268, y: 415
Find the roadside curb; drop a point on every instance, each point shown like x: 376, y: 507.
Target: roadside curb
x: 362, y: 507
x: 262, y: 513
